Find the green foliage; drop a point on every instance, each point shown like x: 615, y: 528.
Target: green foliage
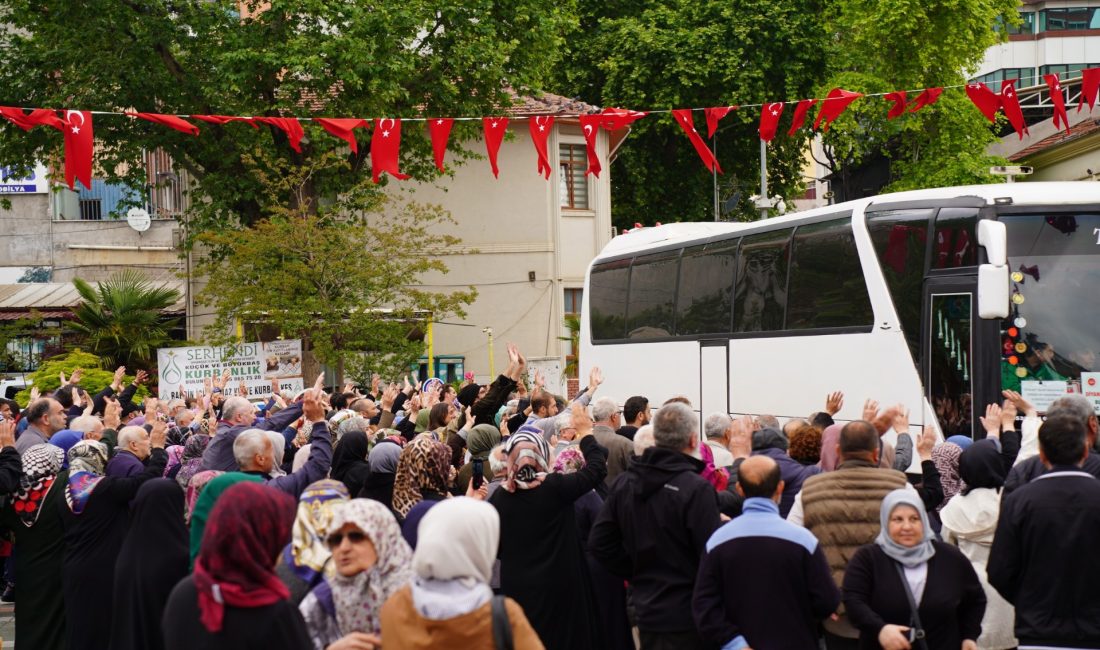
x: 121, y: 318
x: 47, y: 377
x: 11, y: 331
x: 573, y: 324
x: 339, y: 274
x: 391, y: 365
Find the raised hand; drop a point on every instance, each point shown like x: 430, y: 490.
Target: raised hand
x: 319, y: 383
x: 595, y: 378
x: 159, y: 434
x: 926, y: 443
x: 834, y: 402
x: 1008, y: 415
x: 740, y: 444
x: 7, y: 433
x: 61, y: 377
x: 870, y: 410
x: 35, y: 394
x: 581, y: 420
x: 313, y: 410
x: 991, y: 421
x: 112, y: 413
x: 89, y: 403
x: 77, y: 375
x: 388, y: 397
x: 1022, y: 405
x: 901, y: 419
x: 141, y: 376
x: 116, y: 380
x: 242, y: 390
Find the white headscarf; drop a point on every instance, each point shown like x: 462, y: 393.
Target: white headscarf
x: 909, y: 556
x: 456, y: 544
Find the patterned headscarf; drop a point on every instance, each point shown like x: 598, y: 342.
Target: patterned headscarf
x: 358, y: 599
x: 87, y: 462
x: 192, y: 458
x: 424, y: 465
x: 175, y: 457
x: 41, y: 463
x: 194, y: 489
x: 569, y: 460
x: 527, y: 455
x: 307, y: 553
x: 946, y: 458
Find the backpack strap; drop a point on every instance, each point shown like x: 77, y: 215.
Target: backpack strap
x: 502, y: 627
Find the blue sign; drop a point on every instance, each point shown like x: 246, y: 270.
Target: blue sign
x: 13, y: 182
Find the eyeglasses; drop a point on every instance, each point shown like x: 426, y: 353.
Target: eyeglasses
x: 355, y: 537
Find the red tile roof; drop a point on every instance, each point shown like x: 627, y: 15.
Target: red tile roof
x: 1079, y: 130
x: 550, y: 104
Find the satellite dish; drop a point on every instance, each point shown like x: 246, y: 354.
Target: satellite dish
x: 138, y: 219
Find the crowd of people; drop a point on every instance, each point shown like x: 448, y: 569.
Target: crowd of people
x: 503, y: 516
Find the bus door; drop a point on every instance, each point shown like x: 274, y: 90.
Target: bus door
x: 957, y: 355
x: 714, y: 377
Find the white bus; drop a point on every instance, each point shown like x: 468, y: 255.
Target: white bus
x: 913, y: 298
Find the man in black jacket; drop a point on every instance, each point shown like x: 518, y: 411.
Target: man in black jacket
x: 654, y: 527
x: 1047, y: 532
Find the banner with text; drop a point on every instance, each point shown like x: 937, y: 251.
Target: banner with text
x: 254, y: 364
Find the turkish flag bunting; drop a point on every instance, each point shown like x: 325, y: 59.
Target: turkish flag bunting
x: 385, y: 149
x: 687, y: 123
x: 289, y: 125
x: 715, y: 115
x: 224, y: 119
x: 800, y: 111
x: 899, y: 99
x: 37, y: 117
x: 1011, y: 104
x: 343, y: 128
x: 495, y: 128
x: 590, y: 124
x: 613, y: 119
x: 1090, y: 82
x: 1058, y: 98
x: 540, y: 126
x: 985, y: 99
x: 170, y: 121
x: 835, y: 102
x: 927, y: 97
x: 769, y: 120
x: 440, y: 130
x: 78, y: 148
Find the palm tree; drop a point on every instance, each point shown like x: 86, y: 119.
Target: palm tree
x: 572, y: 323
x: 122, y: 318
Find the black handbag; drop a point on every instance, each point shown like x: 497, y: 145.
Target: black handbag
x: 916, y: 630
x: 502, y: 627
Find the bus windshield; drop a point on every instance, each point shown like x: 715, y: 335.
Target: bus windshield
x: 1052, y: 331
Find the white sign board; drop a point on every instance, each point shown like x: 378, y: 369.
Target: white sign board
x: 12, y: 182
x: 551, y: 371
x: 1042, y: 393
x: 255, y: 364
x: 1090, y: 387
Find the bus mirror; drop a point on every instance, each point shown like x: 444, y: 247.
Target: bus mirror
x: 993, y: 291
x: 994, y: 237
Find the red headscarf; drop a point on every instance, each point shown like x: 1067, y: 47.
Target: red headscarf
x: 249, y: 526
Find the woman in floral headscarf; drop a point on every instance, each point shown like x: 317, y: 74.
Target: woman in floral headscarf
x: 194, y: 489
x: 34, y: 516
x: 423, y: 473
x: 175, y: 461
x: 302, y: 564
x: 192, y: 458
x: 372, y: 562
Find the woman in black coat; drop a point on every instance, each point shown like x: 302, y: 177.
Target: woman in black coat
x: 905, y: 562
x: 154, y: 557
x: 349, y: 462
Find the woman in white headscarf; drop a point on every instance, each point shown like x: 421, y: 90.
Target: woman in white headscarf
x: 449, y: 603
x: 906, y: 565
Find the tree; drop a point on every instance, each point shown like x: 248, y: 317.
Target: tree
x: 12, y: 332
x: 36, y: 274
x: 389, y: 58
x: 339, y: 275
x: 122, y: 318
x: 47, y: 377
x: 679, y: 54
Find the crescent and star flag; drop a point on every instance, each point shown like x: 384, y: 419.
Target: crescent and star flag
x: 224, y: 119
x: 1058, y: 98
x: 1090, y: 82
x: 343, y: 128
x: 987, y: 101
x: 1011, y: 104
x: 835, y: 102
x: 715, y: 115
x: 78, y: 148
x: 687, y: 123
x: 590, y: 124
x: 439, y: 128
x: 769, y: 120
x: 899, y: 99
x: 495, y: 128
x: 170, y: 121
x: 800, y: 111
x: 541, y: 126
x: 37, y: 117
x: 385, y: 149
x: 927, y: 97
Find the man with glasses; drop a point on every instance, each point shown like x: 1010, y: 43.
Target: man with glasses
x: 607, y: 417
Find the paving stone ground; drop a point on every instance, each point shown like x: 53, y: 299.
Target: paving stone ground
x: 7, y: 625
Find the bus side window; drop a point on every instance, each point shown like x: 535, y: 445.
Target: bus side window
x: 705, y: 296
x: 899, y: 238
x: 607, y: 301
x: 826, y: 286
x: 760, y: 301
x: 956, y: 240
x: 652, y: 296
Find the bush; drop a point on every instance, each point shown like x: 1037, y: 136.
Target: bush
x: 46, y: 378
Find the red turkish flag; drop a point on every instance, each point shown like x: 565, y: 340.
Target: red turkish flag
x: 687, y: 122
x: 37, y: 117
x: 385, y: 149
x: 927, y: 97
x: 835, y: 102
x: 800, y: 111
x: 1090, y: 82
x: 769, y: 120
x: 1011, y: 104
x: 224, y: 119
x: 714, y: 115
x: 899, y: 99
x: 541, y: 126
x: 440, y: 130
x: 613, y: 119
x: 289, y: 125
x: 1058, y: 98
x: 590, y: 124
x: 343, y: 128
x: 985, y: 99
x: 78, y: 148
x: 495, y: 128
x: 170, y: 121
